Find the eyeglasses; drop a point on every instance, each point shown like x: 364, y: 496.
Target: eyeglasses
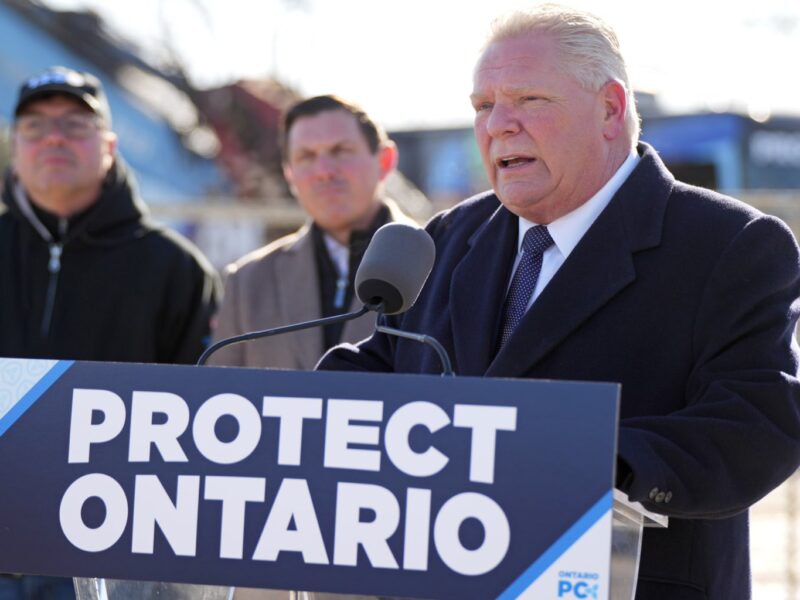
x: 73, y: 126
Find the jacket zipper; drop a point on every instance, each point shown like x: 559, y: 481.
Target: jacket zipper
x: 54, y: 268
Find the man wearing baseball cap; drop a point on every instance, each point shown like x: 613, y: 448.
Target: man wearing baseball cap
x: 85, y: 274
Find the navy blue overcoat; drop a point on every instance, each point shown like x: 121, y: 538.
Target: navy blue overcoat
x: 686, y: 297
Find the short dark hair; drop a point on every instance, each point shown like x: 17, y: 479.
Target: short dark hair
x: 374, y: 134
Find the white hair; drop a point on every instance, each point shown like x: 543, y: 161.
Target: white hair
x: 588, y: 47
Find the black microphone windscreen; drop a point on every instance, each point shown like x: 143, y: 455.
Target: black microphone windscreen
x: 395, y: 266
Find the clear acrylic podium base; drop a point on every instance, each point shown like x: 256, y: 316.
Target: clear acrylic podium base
x: 95, y: 588
x: 629, y: 521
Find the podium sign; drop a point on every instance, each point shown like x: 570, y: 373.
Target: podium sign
x: 400, y: 485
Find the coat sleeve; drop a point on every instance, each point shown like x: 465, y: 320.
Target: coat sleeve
x: 189, y: 305
x: 738, y: 435
x: 373, y: 355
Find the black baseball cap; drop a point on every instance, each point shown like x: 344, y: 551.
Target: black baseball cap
x: 61, y: 80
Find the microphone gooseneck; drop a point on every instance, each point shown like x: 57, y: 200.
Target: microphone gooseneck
x: 252, y: 335
x: 444, y: 358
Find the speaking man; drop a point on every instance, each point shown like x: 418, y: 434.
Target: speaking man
x: 589, y: 261
x: 336, y: 159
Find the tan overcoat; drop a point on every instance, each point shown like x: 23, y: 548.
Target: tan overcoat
x: 277, y: 285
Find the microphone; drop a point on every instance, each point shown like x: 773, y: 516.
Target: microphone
x: 389, y: 279
x: 394, y: 285
x: 395, y: 267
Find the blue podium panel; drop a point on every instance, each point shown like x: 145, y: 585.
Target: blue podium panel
x: 402, y: 485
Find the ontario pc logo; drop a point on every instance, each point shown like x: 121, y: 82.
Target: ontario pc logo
x: 577, y: 584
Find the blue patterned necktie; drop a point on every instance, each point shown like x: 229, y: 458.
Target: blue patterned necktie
x: 537, y: 239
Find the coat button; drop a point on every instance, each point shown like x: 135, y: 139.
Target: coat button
x: 668, y: 497
x: 653, y: 493
x: 660, y: 497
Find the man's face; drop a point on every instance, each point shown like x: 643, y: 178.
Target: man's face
x: 61, y: 154
x: 540, y: 134
x: 333, y: 173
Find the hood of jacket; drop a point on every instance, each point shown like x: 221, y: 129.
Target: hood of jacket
x: 117, y: 216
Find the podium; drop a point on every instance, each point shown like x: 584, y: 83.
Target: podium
x: 372, y: 485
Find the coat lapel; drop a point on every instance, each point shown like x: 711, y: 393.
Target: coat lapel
x: 298, y: 296
x: 477, y: 289
x: 599, y: 267
x: 595, y: 271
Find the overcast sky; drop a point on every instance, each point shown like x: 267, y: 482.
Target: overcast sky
x: 409, y: 62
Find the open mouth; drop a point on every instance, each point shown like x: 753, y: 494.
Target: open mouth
x: 510, y: 162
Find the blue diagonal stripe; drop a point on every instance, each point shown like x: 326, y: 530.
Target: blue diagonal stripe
x: 561, y: 545
x: 33, y: 394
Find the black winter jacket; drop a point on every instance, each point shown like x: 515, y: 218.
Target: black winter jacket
x: 108, y: 284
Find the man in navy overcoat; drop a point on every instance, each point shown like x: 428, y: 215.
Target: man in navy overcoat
x: 686, y: 297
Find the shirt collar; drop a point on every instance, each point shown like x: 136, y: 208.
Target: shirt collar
x: 339, y: 253
x: 568, y: 230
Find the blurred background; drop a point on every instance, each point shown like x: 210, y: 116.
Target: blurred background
x: 196, y: 89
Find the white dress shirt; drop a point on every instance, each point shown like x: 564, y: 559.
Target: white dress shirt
x: 340, y: 255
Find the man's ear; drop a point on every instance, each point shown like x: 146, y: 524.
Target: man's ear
x: 289, y: 177
x: 387, y: 158
x: 110, y: 139
x: 615, y: 106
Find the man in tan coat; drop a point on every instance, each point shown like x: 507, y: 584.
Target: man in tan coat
x: 336, y: 159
